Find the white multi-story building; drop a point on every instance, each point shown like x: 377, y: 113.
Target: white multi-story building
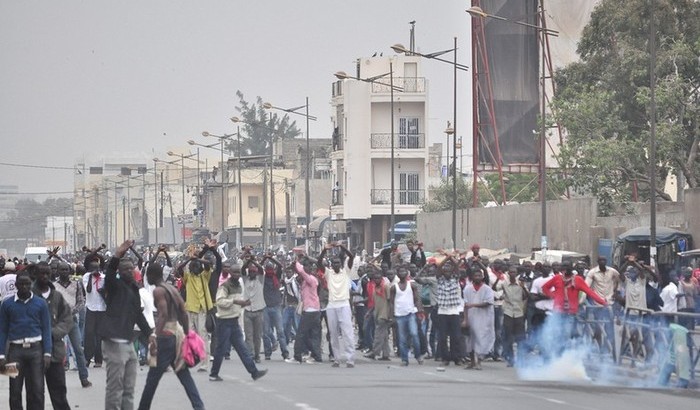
x: 361, y: 156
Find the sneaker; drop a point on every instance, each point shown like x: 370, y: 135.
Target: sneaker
x: 268, y: 357
x: 404, y: 364
x: 85, y: 382
x: 290, y: 360
x: 215, y: 379
x: 370, y: 356
x: 257, y: 359
x: 202, y: 370
x: 335, y: 364
x: 350, y: 365
x: 285, y: 356
x: 384, y: 359
x: 312, y: 361
x: 259, y: 374
x: 97, y: 365
x: 420, y: 360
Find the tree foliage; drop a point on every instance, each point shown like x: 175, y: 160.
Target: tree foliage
x: 603, y: 100
x: 441, y: 196
x: 260, y: 127
x: 28, y: 218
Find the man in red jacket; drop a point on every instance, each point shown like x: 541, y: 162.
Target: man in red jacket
x: 564, y: 290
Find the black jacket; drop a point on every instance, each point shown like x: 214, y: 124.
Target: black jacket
x: 61, y: 321
x: 123, y: 307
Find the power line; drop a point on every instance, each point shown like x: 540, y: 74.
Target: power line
x: 35, y: 166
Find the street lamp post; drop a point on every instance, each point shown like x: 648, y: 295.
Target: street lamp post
x: 182, y: 164
x: 453, y: 130
x: 307, y: 172
x: 221, y: 142
x: 341, y: 75
x: 477, y: 12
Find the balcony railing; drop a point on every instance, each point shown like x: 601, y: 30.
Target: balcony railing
x: 401, y: 141
x: 408, y: 84
x: 401, y: 196
x: 337, y: 88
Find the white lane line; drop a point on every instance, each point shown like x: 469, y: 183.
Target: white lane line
x: 304, y: 406
x: 555, y: 401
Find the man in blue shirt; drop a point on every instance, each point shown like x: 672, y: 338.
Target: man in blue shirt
x: 25, y: 322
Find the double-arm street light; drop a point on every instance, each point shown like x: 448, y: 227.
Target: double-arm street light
x: 398, y: 48
x: 342, y: 75
x: 307, y: 192
x: 221, y: 138
x: 478, y: 13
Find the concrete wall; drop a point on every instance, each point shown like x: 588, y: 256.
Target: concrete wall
x: 571, y: 224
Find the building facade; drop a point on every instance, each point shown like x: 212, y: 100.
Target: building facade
x: 362, y: 161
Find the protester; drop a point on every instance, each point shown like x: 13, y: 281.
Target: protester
x: 407, y: 307
x: 338, y: 310
x: 172, y: 323
x: 117, y: 332
x: 479, y: 318
x: 229, y: 306
x: 25, y: 339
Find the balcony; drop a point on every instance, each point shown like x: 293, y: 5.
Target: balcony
x: 401, y: 197
x: 408, y: 84
x: 401, y: 141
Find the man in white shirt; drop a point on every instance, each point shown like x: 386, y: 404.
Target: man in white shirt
x: 95, y: 307
x: 338, y: 309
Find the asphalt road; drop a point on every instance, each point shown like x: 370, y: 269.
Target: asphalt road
x: 380, y: 385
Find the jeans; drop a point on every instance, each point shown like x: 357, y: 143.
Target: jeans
x: 340, y: 327
x: 253, y: 328
x: 450, y: 326
x: 369, y: 328
x: 91, y: 342
x: 498, y: 329
x: 290, y: 322
x: 272, y: 320
x: 56, y: 383
x: 122, y: 364
x: 309, y: 336
x: 381, y: 338
x: 433, y: 330
x: 230, y: 334
x: 166, y: 357
x: 74, y: 338
x: 513, y: 332
x: 30, y: 363
x: 197, y: 322
x: 408, y: 328
x: 360, y: 312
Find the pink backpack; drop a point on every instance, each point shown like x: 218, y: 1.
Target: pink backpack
x: 193, y: 350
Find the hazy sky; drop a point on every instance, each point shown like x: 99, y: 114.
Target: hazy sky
x: 93, y: 77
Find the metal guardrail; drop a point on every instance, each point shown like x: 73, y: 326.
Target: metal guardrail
x: 645, y: 338
x: 406, y: 84
x: 401, y: 141
x: 401, y: 196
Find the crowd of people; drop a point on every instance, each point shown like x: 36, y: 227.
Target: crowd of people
x: 135, y: 308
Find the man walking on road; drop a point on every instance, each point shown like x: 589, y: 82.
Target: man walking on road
x: 172, y: 324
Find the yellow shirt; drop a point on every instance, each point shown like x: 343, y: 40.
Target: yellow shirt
x: 198, y: 298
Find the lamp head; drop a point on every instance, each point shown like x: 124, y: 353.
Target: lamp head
x: 399, y: 48
x: 341, y: 75
x: 191, y: 142
x: 235, y: 119
x: 267, y: 105
x: 172, y: 154
x: 450, y: 131
x: 205, y: 133
x: 476, y: 12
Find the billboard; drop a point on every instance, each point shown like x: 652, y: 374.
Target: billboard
x: 507, y: 83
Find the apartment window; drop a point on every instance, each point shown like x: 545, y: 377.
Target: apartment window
x: 253, y: 202
x: 409, y: 188
x: 408, y: 133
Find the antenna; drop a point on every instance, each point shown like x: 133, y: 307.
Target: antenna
x: 412, y: 45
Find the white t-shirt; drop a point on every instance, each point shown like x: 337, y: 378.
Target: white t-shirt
x: 93, y: 300
x: 7, y: 285
x: 546, y: 304
x: 148, y: 306
x: 669, y: 295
